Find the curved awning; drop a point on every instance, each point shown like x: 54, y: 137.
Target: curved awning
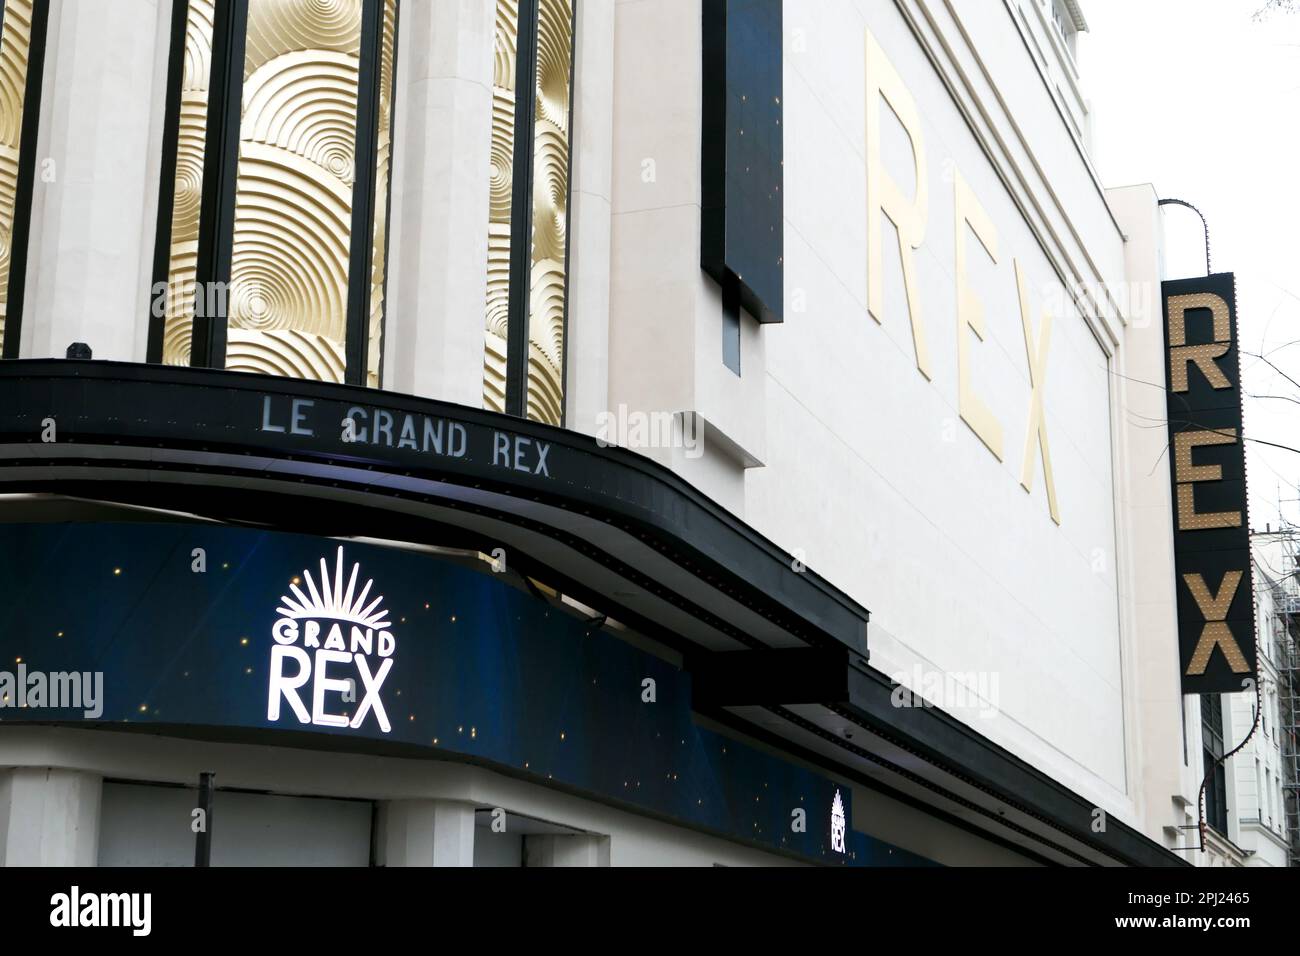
x: 772, y: 648
x: 255, y: 448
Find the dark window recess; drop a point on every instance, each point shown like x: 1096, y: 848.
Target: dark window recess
x: 742, y: 224
x: 731, y: 325
x: 1216, y: 789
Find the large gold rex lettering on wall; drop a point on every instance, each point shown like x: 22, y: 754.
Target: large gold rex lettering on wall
x: 887, y: 94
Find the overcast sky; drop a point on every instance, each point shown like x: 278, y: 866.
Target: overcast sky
x: 1203, y: 101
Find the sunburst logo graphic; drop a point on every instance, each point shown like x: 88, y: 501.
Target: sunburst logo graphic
x: 838, y: 823
x: 331, y: 632
x: 333, y: 602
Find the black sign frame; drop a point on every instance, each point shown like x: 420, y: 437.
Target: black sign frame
x: 1207, y: 474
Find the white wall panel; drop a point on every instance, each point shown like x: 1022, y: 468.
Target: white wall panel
x: 871, y: 470
x: 144, y: 825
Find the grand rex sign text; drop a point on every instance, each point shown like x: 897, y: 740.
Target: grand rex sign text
x: 362, y: 427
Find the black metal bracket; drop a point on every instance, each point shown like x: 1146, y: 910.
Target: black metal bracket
x: 1204, y: 225
x: 766, y: 677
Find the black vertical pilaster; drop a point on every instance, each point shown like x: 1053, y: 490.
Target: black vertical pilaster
x: 162, y: 247
x: 203, y: 839
x: 365, y: 145
x: 220, y: 177
x: 386, y: 200
x: 568, y: 212
x: 21, y: 229
x: 521, y: 212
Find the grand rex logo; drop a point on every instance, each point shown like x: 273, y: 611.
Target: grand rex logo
x: 838, y: 823
x: 326, y: 636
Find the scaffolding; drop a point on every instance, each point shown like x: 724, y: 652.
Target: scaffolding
x: 1285, y: 631
x: 1289, y: 706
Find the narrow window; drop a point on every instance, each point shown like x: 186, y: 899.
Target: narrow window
x: 731, y: 325
x: 1216, y: 790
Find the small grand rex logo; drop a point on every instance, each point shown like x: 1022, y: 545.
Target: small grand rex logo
x: 337, y: 624
x: 838, y: 823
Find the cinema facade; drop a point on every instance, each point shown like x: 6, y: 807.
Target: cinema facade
x: 559, y: 432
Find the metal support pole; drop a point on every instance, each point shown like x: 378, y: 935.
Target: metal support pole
x: 203, y: 838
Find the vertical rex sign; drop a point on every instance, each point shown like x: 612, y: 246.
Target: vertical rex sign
x: 1207, y: 463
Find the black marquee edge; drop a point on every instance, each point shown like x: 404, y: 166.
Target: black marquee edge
x: 945, y: 741
x: 107, y: 404
x: 122, y: 404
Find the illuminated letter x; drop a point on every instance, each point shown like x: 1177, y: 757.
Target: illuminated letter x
x: 1216, y: 632
x: 371, y: 683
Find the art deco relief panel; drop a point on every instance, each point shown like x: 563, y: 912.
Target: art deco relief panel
x: 531, y: 209
x: 501, y: 190
x: 286, y: 307
x: 383, y: 166
x: 288, y: 296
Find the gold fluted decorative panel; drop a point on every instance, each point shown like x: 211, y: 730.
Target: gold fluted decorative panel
x: 276, y: 27
x: 383, y: 159
x: 500, y: 184
x: 284, y: 352
x: 15, y: 45
x: 293, y: 198
x: 188, y: 190
x: 550, y: 206
x: 550, y: 212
